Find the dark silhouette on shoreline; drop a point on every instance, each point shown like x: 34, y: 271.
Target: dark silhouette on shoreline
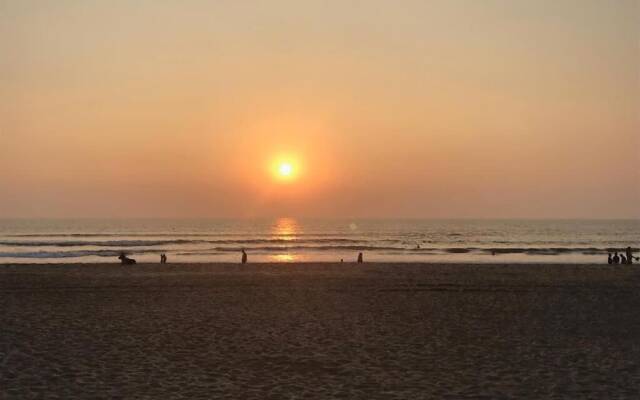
x: 124, y: 260
x: 616, y: 258
x: 360, y: 258
x: 244, y: 256
x: 163, y: 258
x: 623, y: 258
x: 630, y: 256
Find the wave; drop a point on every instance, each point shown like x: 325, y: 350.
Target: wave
x: 426, y: 250
x: 180, y: 234
x: 211, y: 251
x: 306, y: 248
x: 544, y: 250
x: 106, y: 243
x: 139, y: 243
x: 65, y: 254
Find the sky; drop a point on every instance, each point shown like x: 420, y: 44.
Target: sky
x: 425, y: 109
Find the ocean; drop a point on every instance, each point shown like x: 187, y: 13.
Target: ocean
x: 309, y: 240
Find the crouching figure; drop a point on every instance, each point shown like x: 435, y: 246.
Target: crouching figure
x: 124, y: 260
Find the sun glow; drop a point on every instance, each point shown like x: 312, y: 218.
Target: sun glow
x: 285, y: 169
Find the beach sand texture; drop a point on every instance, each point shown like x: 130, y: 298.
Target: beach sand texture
x: 319, y: 331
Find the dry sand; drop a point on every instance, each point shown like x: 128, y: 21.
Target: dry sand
x: 320, y: 331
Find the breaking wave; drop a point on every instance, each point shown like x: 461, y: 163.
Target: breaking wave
x: 140, y: 243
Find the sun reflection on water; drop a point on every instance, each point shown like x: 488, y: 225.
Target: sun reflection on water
x: 285, y: 229
x: 284, y: 257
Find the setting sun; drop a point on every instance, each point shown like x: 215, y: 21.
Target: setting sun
x: 285, y: 169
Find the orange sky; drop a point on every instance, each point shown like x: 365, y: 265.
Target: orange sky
x: 445, y: 109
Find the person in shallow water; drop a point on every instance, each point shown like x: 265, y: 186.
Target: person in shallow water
x: 623, y: 259
x: 360, y: 258
x: 244, y: 256
x: 609, y: 259
x: 616, y: 258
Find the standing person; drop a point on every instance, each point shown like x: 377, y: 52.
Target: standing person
x: 244, y: 256
x: 629, y: 255
x: 360, y: 258
x: 623, y: 259
x: 616, y: 258
x: 609, y: 260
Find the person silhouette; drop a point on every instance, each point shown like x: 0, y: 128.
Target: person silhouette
x: 623, y: 259
x: 616, y: 258
x: 629, y: 255
x: 244, y: 256
x: 126, y: 260
x: 609, y: 259
x: 360, y: 258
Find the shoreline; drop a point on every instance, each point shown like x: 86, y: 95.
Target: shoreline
x: 312, y: 263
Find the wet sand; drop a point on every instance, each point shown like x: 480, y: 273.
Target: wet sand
x: 319, y: 331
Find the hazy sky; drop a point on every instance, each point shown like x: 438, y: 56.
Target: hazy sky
x: 386, y: 108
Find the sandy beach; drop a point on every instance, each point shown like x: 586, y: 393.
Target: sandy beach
x: 319, y: 331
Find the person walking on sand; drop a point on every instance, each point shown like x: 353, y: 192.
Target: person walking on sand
x: 244, y: 256
x: 360, y: 258
x: 616, y: 258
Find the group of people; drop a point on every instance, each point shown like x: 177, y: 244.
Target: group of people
x: 244, y: 259
x: 128, y: 261
x: 626, y: 258
x: 615, y: 258
x: 622, y: 258
x: 163, y: 258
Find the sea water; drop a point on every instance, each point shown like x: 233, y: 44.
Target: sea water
x: 308, y: 240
